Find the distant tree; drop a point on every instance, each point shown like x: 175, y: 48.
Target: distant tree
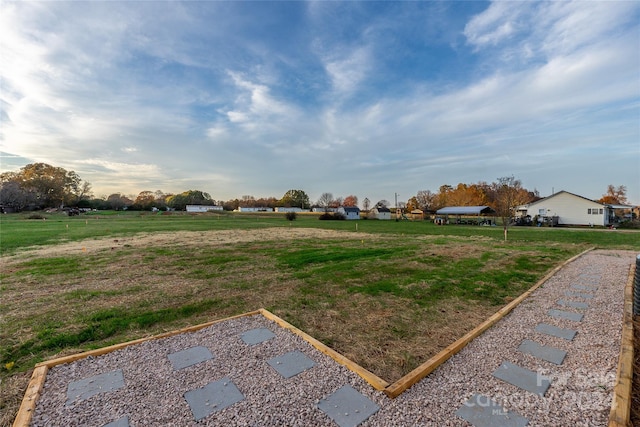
x: 12, y: 195
x: 508, y: 195
x: 426, y: 200
x: 248, y: 201
x: 383, y: 204
x: 614, y: 195
x: 442, y: 199
x: 118, y: 201
x: 412, y: 204
x: 465, y: 195
x: 191, y: 197
x: 366, y: 204
x: 337, y: 202
x: 49, y: 186
x: 350, y: 201
x: 325, y: 201
x: 231, y: 205
x: 145, y: 201
x: 295, y: 198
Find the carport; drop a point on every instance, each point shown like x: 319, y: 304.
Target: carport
x: 474, y: 215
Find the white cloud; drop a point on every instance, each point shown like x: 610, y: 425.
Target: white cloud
x: 498, y: 23
x: 347, y: 70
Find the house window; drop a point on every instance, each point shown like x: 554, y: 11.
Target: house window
x: 594, y: 211
x: 542, y: 211
x: 589, y: 211
x: 601, y: 211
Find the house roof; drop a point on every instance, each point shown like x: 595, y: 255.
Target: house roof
x: 382, y: 209
x: 565, y: 192
x: 465, y: 210
x: 351, y: 209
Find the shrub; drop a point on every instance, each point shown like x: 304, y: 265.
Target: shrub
x: 335, y: 216
x: 291, y: 216
x: 36, y: 216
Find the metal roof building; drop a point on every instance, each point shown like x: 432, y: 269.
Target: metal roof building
x: 466, y: 210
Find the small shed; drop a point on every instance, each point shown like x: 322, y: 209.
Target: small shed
x: 350, y: 212
x: 466, y: 214
x: 380, y: 212
x: 417, y: 214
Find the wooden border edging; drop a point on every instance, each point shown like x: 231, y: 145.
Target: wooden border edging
x: 375, y: 381
x: 34, y: 389
x: 31, y: 396
x: 25, y: 412
x: 395, y: 389
x: 621, y: 404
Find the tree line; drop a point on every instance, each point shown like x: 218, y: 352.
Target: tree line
x: 40, y: 186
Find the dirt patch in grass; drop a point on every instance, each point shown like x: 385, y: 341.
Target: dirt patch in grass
x: 181, y: 238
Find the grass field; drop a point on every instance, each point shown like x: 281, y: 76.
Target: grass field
x: 388, y: 295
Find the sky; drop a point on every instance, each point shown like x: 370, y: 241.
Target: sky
x: 373, y: 99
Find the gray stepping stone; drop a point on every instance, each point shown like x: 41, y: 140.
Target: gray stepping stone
x: 88, y: 387
x: 574, y: 304
x: 190, y: 356
x: 120, y: 422
x: 348, y: 407
x: 569, y: 315
x: 578, y: 294
x: 481, y: 411
x: 584, y: 288
x: 213, y: 397
x: 554, y: 331
x: 256, y: 336
x: 550, y: 354
x: 291, y: 364
x: 523, y: 378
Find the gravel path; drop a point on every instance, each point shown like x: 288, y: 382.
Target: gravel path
x: 154, y: 393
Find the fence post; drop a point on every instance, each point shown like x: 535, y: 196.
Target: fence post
x: 636, y: 288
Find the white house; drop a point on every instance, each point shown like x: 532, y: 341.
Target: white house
x: 203, y: 208
x: 380, y: 212
x: 254, y: 209
x: 350, y: 212
x: 290, y: 209
x: 564, y: 208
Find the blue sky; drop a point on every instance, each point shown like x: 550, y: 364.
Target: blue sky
x: 365, y: 98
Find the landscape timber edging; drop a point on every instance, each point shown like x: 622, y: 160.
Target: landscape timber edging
x: 404, y: 383
x: 375, y: 381
x: 621, y: 404
x: 34, y: 389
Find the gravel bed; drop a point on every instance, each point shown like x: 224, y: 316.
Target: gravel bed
x: 580, y: 392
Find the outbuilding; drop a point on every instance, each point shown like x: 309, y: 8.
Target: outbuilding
x: 380, y: 212
x: 203, y: 208
x: 350, y: 212
x: 465, y: 215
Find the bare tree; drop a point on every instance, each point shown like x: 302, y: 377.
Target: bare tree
x: 508, y: 195
x: 426, y: 200
x: 366, y: 204
x: 325, y: 201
